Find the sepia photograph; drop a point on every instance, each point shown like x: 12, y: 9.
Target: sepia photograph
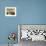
x: 10, y: 11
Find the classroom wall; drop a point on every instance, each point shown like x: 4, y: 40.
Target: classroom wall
x: 28, y: 12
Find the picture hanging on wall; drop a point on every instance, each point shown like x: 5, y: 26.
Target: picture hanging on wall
x: 10, y: 11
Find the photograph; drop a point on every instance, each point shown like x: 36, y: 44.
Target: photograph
x: 29, y: 33
x: 10, y: 11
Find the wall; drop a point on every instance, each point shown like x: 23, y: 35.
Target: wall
x: 28, y: 12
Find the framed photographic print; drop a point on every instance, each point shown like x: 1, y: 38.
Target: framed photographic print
x: 33, y: 32
x: 10, y: 11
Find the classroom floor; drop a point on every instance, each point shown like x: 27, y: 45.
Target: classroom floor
x: 28, y: 43
x: 34, y: 43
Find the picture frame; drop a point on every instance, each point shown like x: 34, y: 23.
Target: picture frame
x: 10, y: 11
x: 36, y: 32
